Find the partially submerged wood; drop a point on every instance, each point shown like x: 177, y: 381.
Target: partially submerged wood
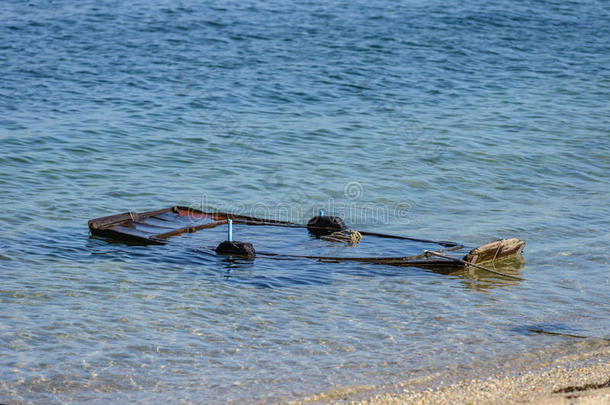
x: 155, y: 227
x: 477, y: 266
x: 495, y: 250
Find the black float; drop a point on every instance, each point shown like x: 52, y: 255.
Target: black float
x: 235, y: 248
x: 323, y: 225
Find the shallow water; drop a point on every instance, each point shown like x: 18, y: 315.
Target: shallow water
x: 463, y: 122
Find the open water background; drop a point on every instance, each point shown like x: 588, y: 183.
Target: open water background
x: 457, y: 120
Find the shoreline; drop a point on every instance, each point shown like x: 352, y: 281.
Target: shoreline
x: 577, y: 374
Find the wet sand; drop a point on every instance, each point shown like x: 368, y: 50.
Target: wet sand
x: 579, y: 374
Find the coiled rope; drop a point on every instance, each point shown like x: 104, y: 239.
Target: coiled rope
x: 348, y: 236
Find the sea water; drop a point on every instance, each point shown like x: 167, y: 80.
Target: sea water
x: 463, y: 121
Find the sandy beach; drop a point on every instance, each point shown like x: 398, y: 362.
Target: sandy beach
x: 580, y: 377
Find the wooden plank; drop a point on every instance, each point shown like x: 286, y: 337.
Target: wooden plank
x: 495, y: 250
x: 113, y: 220
x: 125, y: 237
x: 420, y: 260
x: 185, y: 211
x: 189, y: 229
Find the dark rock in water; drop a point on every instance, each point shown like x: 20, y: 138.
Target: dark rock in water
x: 236, y: 248
x: 325, y: 225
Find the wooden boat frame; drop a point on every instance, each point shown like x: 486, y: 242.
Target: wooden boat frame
x: 119, y: 227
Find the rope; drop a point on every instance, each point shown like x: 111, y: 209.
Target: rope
x: 493, y: 261
x: 351, y: 237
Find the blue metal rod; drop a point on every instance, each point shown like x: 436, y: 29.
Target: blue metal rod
x: 230, y: 231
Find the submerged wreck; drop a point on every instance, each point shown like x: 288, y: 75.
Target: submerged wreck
x: 324, y: 238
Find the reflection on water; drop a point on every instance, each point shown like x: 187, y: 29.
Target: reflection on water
x: 481, y: 280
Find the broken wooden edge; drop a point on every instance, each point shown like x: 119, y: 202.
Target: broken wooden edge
x: 103, y: 226
x: 126, y: 238
x: 493, y: 251
x: 113, y: 220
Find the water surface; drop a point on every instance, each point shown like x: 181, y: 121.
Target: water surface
x: 457, y: 121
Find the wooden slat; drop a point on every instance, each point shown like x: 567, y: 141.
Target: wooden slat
x: 185, y: 211
x: 113, y: 220
x: 495, y: 250
x: 189, y: 229
x: 126, y: 237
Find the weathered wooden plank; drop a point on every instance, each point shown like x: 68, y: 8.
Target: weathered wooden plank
x: 113, y: 220
x: 495, y: 250
x: 190, y: 229
x: 186, y: 211
x: 126, y: 237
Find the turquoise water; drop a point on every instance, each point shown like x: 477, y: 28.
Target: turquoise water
x: 463, y: 121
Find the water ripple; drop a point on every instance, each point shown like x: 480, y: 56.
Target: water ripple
x: 472, y: 122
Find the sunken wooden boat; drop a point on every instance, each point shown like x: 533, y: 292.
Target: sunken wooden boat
x: 285, y: 240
